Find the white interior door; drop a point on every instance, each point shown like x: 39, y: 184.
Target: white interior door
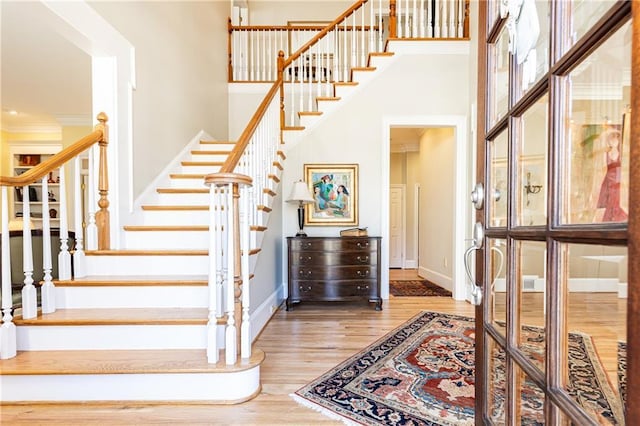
x: 396, y: 226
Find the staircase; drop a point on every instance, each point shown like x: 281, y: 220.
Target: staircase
x: 144, y: 336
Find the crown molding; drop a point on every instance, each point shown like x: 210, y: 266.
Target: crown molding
x: 74, y: 120
x: 42, y: 127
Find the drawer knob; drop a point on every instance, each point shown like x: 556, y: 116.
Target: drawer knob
x: 361, y: 245
x: 302, y: 258
x: 365, y: 273
x: 301, y: 272
x: 365, y: 287
x: 308, y: 288
x: 363, y: 258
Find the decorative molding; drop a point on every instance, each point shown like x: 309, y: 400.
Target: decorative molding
x: 34, y: 127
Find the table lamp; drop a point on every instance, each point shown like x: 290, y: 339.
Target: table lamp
x: 301, y: 195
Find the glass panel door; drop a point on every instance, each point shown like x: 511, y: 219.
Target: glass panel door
x: 556, y: 154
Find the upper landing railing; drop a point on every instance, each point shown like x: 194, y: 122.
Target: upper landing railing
x: 253, y: 49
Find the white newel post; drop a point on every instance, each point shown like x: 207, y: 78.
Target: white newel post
x: 8, y: 328
x: 29, y: 293
x: 48, y: 289
x: 64, y: 257
x: 214, y: 255
x: 79, y: 260
x: 245, y: 330
x: 231, y: 332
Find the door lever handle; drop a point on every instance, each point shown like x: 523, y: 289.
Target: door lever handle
x: 476, y: 291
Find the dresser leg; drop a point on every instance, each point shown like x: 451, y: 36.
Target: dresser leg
x: 289, y: 305
x: 379, y: 305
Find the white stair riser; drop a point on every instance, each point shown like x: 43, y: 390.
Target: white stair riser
x: 209, y: 387
x: 363, y: 76
x: 215, y: 147
x: 183, y: 199
x: 175, y: 217
x: 158, y: 240
x: 200, y: 169
x: 207, y: 157
x: 344, y: 91
x: 111, y: 337
x: 187, y: 183
x: 309, y: 120
x: 154, y: 265
x: 132, y: 297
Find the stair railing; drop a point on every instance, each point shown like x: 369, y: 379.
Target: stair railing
x: 253, y: 49
x: 97, y: 230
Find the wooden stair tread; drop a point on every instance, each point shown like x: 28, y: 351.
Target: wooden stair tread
x: 363, y: 69
x: 310, y: 113
x: 122, y: 362
x: 209, y: 142
x: 203, y: 152
x: 328, y: 98
x: 201, y: 163
x: 133, y: 280
x: 293, y: 128
x: 119, y: 316
x: 187, y: 176
x: 147, y: 252
x: 346, y: 83
x: 183, y: 190
x: 179, y: 228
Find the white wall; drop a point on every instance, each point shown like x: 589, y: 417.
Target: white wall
x: 266, y: 12
x: 181, y: 73
x: 437, y: 148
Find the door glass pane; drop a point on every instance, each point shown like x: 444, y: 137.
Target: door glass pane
x: 531, y: 402
x: 499, y: 78
x: 532, y: 256
x: 493, y: 13
x: 585, y: 13
x: 532, y: 165
x: 597, y: 162
x: 532, y: 55
x: 596, y: 283
x: 498, y: 283
x: 497, y: 382
x: 496, y: 195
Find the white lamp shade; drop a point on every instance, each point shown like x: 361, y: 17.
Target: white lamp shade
x: 300, y: 194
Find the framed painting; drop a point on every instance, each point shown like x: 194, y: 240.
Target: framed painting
x: 335, y: 191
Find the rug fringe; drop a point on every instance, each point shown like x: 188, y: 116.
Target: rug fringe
x: 334, y: 416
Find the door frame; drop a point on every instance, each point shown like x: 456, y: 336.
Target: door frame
x: 460, y: 175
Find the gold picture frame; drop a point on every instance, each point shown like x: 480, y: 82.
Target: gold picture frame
x: 335, y: 191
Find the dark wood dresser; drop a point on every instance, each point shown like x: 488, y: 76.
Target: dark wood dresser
x: 334, y: 269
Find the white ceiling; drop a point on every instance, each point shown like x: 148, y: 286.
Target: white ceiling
x: 44, y: 77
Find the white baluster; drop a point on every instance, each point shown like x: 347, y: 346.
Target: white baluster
x: 231, y: 336
x: 245, y: 330
x: 436, y: 18
x: 220, y: 241
x: 422, y: 21
x: 92, y: 229
x: 354, y: 42
x: 452, y: 15
x: 29, y: 293
x: 8, y: 346
x: 363, y: 54
x: 79, y: 259
x: 407, y: 20
x: 345, y: 58
x: 48, y: 289
x: 380, y: 29
x: 460, y: 18
x: 414, y: 19
x: 64, y: 257
x: 429, y: 19
x: 265, y: 53
x: 212, y: 323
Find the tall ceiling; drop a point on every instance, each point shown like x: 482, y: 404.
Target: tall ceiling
x: 44, y: 77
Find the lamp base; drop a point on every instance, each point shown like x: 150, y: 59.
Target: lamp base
x: 301, y: 233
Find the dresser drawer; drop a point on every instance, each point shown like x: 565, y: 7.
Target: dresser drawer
x: 334, y: 244
x: 333, y: 273
x: 310, y: 290
x: 318, y: 258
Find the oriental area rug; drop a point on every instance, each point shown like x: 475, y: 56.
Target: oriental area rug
x: 422, y: 373
x: 416, y: 288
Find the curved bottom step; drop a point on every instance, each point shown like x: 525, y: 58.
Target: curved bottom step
x: 164, y: 375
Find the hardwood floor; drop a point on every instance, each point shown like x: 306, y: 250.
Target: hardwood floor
x: 300, y: 345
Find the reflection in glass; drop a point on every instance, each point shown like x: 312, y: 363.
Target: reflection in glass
x: 532, y: 165
x: 584, y: 14
x: 496, y: 194
x: 532, y: 273
x: 536, y: 63
x: 497, y: 382
x: 597, y: 164
x: 596, y: 283
x: 497, y: 283
x: 531, y: 400
x: 499, y: 78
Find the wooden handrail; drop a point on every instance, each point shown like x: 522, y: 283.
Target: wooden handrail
x: 323, y: 32
x: 296, y: 28
x: 60, y: 158
x: 235, y: 155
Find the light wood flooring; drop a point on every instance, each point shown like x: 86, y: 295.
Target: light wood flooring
x: 300, y: 345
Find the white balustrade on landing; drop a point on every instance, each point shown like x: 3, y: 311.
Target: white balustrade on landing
x: 79, y: 260
x: 231, y: 352
x: 64, y: 257
x: 245, y: 329
x: 29, y: 294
